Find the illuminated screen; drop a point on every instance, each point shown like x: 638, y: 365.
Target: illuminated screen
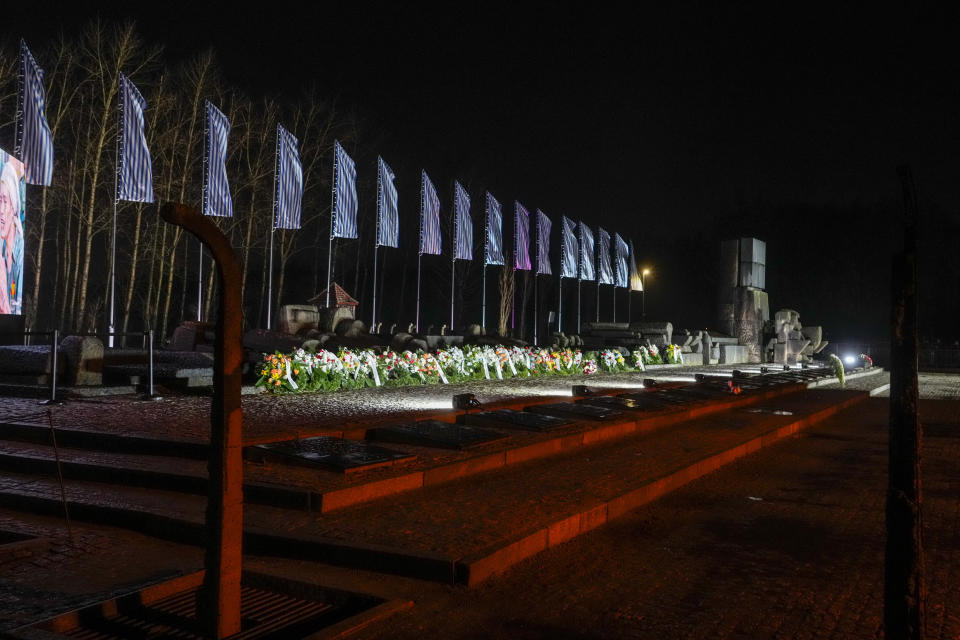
x: 13, y: 190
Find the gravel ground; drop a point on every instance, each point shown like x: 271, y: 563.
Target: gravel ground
x: 186, y: 416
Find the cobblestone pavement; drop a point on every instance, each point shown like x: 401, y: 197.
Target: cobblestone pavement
x: 68, y: 571
x: 787, y: 543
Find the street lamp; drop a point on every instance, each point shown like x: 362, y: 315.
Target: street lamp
x: 643, y: 293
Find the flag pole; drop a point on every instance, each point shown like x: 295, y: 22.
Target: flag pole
x: 270, y: 279
x: 373, y: 319
x: 453, y: 253
x: 536, y: 304
x: 113, y: 236
x: 560, y: 302
x: 579, y: 283
x: 483, y: 305
x: 333, y: 215
x: 273, y: 229
x: 614, y: 302
x: 513, y: 300
x: 423, y: 202
x: 376, y: 244
x: 486, y: 241
x: 205, y: 200
x: 419, y: 262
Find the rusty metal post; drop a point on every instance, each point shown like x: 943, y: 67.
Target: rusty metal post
x: 219, y: 599
x: 904, y: 589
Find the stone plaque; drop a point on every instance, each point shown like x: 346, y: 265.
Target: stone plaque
x: 613, y: 402
x: 575, y: 411
x: 510, y: 419
x: 433, y: 433
x: 333, y: 453
x: 656, y: 400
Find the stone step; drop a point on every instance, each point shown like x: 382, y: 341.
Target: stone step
x: 321, y: 490
x: 152, y: 472
x: 467, y: 530
x: 82, y: 438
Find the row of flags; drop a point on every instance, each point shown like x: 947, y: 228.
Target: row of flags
x: 135, y: 183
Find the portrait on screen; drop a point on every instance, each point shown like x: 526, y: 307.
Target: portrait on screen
x: 12, y: 209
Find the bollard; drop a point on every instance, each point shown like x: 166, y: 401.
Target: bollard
x: 150, y: 391
x: 53, y: 368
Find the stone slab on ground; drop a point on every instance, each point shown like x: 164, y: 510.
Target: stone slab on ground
x: 510, y: 419
x: 784, y: 544
x: 433, y: 433
x: 346, y: 456
x: 477, y: 526
x: 577, y: 411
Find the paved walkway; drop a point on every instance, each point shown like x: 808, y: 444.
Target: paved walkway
x: 787, y: 543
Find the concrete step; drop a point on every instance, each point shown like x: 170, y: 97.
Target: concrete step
x: 138, y: 460
x: 469, y: 529
x: 89, y: 439
x: 133, y: 470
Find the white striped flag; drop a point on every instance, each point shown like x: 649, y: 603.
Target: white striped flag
x: 388, y: 217
x: 636, y: 280
x: 569, y: 248
x: 543, y: 244
x: 586, y: 253
x: 136, y: 171
x: 430, y: 241
x: 521, y: 238
x: 462, y: 224
x: 344, y: 194
x: 622, y: 251
x: 216, y: 187
x: 494, y: 252
x: 604, y: 270
x: 289, y: 181
x: 34, y: 142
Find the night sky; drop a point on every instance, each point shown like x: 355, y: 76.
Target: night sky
x: 674, y: 127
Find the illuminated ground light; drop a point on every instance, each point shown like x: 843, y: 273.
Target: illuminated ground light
x: 465, y: 402
x: 850, y: 360
x: 627, y: 385
x: 677, y: 379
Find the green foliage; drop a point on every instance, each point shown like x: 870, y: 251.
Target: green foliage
x: 837, y: 365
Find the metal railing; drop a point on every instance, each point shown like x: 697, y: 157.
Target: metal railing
x: 148, y: 343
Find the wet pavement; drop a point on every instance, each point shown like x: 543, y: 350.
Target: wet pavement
x: 784, y: 543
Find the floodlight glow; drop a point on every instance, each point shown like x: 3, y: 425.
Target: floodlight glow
x: 676, y: 379
x: 849, y: 359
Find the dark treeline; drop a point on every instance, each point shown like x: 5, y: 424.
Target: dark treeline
x: 68, y: 226
x: 830, y: 262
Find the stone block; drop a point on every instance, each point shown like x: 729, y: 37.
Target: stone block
x: 298, y: 318
x: 184, y: 339
x: 734, y: 354
x: 28, y: 360
x: 265, y: 341
x: 651, y: 329
x: 400, y: 340
x: 83, y: 358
